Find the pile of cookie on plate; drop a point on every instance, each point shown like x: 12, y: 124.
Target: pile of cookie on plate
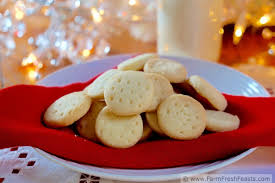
x: 144, y: 95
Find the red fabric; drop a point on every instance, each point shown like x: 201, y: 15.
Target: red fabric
x: 21, y: 108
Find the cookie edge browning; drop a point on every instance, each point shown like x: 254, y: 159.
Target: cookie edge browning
x: 157, y: 130
x: 78, y: 123
x: 216, y: 105
x: 98, y: 95
x: 169, y: 92
x: 187, y: 88
x: 142, y: 59
x: 149, y: 133
x: 234, y: 117
x: 56, y: 124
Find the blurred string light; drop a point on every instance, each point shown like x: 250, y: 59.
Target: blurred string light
x: 79, y: 29
x: 221, y: 31
x: 77, y: 32
x: 132, y: 2
x: 33, y: 75
x: 85, y: 53
x: 257, y: 13
x: 19, y: 10
x: 264, y: 19
x: 30, y: 59
x: 96, y: 15
x: 267, y: 33
x: 33, y: 67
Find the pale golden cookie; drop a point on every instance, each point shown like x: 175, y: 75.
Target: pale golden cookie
x: 218, y: 121
x: 173, y: 71
x: 86, y: 125
x: 136, y: 63
x: 96, y: 88
x: 67, y: 110
x: 152, y: 120
x: 118, y: 131
x: 204, y: 92
x: 162, y: 89
x: 129, y: 93
x: 147, y: 131
x: 181, y: 117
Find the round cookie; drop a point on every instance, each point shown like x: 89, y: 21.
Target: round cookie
x: 147, y: 131
x: 181, y: 117
x: 204, y: 92
x: 86, y: 125
x: 173, y: 71
x: 136, y: 63
x: 96, y: 88
x: 129, y: 93
x: 118, y: 131
x: 162, y: 89
x: 218, y: 121
x: 67, y: 110
x: 152, y: 120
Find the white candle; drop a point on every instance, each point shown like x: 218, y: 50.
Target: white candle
x: 190, y: 28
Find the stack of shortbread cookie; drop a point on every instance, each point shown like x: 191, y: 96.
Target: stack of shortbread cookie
x: 125, y: 106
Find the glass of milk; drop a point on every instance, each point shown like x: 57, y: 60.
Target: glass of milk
x: 190, y: 28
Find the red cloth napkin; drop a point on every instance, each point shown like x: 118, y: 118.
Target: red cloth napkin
x: 22, y: 107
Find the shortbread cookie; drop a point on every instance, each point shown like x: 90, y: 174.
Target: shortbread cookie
x: 204, y: 92
x: 181, y: 117
x: 86, y: 125
x: 173, y: 71
x: 118, y: 131
x: 162, y: 89
x: 147, y: 131
x: 129, y: 93
x: 218, y: 121
x: 67, y: 110
x: 152, y: 120
x: 96, y: 88
x: 136, y: 63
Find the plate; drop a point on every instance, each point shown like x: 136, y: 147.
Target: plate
x: 224, y: 78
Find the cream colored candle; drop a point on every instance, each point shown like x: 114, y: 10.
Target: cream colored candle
x: 190, y: 28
